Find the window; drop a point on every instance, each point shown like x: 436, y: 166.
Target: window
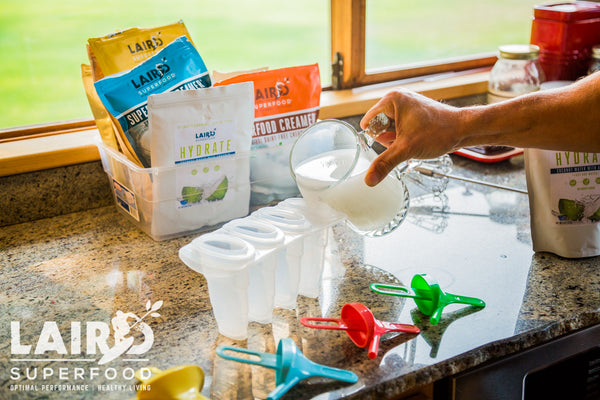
x: 418, y: 31
x: 377, y: 40
x: 383, y: 40
x: 42, y: 47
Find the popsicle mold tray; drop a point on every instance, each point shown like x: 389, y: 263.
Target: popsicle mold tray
x: 167, y: 202
x: 259, y: 262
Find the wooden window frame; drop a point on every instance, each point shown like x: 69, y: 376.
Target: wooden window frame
x: 348, y: 52
x: 42, y: 130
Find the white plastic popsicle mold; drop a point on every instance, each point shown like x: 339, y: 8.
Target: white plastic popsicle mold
x: 287, y: 276
x: 259, y: 262
x: 315, y: 243
x: 223, y: 260
x: 268, y: 242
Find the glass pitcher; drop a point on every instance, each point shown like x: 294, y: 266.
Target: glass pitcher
x: 329, y: 162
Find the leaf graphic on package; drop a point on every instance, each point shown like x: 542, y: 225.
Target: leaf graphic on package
x: 220, y: 191
x: 571, y: 209
x: 191, y: 194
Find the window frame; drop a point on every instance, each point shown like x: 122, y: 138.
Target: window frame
x: 48, y: 129
x: 348, y: 52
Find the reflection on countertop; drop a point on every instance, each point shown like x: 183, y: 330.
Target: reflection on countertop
x: 88, y: 265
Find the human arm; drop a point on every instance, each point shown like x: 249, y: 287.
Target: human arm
x: 566, y: 118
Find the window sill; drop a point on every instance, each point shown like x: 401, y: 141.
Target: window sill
x: 39, y: 153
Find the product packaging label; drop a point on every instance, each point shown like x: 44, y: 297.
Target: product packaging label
x: 207, y: 181
x: 198, y: 141
x: 204, y: 183
x: 201, y: 143
x: 126, y: 200
x: 286, y: 101
x: 575, y: 187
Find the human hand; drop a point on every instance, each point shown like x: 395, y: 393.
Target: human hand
x: 425, y: 128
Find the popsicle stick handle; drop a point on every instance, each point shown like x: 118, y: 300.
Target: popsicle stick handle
x: 394, y: 290
x: 338, y: 324
x: 396, y: 327
x: 283, y: 388
x: 374, y: 346
x: 437, y: 315
x: 263, y: 359
x: 472, y: 301
x: 333, y: 373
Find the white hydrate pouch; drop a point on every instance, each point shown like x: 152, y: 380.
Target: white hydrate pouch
x: 205, y: 135
x: 564, y: 202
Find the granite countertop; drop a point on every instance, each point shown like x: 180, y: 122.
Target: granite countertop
x: 61, y: 273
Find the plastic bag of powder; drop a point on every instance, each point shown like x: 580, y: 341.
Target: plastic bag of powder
x: 564, y: 201
x: 206, y: 135
x: 101, y: 117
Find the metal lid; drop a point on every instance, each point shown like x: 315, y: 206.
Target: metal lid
x: 519, y: 51
x: 568, y: 12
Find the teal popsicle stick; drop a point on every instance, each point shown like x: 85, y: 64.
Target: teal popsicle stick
x: 283, y: 388
x: 333, y: 373
x: 290, y: 366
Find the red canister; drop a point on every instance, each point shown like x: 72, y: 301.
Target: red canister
x: 566, y: 33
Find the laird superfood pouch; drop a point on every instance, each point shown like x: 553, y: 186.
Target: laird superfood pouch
x: 176, y: 67
x: 123, y: 50
x: 101, y: 117
x: 286, y: 102
x: 564, y: 201
x: 200, y: 148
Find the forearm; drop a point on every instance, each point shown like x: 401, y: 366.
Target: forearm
x: 561, y: 119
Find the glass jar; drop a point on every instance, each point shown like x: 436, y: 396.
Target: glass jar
x: 516, y: 72
x: 595, y: 61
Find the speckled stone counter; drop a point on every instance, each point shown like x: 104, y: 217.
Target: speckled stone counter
x: 56, y: 191
x: 87, y: 266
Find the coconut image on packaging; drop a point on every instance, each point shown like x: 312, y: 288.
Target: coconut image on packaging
x: 194, y: 194
x: 587, y: 207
